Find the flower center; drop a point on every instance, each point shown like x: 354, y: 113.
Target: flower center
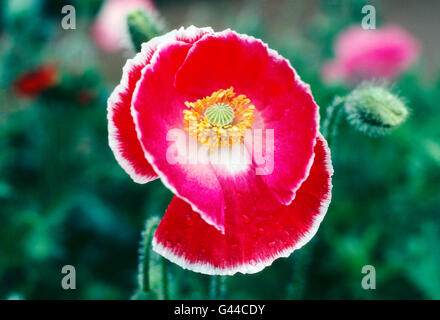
x: 220, y: 119
x: 219, y: 114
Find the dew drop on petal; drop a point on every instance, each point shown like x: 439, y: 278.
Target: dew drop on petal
x: 272, y: 244
x: 189, y: 220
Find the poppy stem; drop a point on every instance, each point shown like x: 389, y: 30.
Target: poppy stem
x: 217, y: 287
x: 332, y: 119
x: 295, y: 290
x: 165, y: 290
x: 144, y: 265
x: 303, y: 259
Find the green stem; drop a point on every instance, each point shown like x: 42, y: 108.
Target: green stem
x: 331, y: 121
x: 303, y: 259
x: 300, y: 265
x: 165, y: 290
x: 217, y: 287
x: 144, y: 266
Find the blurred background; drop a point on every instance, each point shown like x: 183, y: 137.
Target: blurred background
x: 65, y: 201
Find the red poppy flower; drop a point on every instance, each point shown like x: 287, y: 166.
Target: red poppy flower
x: 229, y: 94
x: 34, y: 82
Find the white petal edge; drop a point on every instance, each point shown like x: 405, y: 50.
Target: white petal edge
x: 209, y: 269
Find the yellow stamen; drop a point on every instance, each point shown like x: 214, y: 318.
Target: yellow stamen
x: 215, y: 135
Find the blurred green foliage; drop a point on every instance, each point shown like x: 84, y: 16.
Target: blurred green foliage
x: 64, y: 200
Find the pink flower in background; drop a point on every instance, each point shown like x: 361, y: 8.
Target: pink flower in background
x: 110, y: 27
x: 370, y: 54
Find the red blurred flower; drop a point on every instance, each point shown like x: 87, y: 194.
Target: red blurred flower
x: 227, y: 216
x: 370, y: 54
x: 35, y: 81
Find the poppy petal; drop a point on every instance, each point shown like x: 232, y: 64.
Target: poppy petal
x: 193, y: 182
x: 122, y: 134
x: 283, y: 102
x: 254, y: 239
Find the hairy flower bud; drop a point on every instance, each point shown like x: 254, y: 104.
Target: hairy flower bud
x: 374, y: 110
x: 142, y: 27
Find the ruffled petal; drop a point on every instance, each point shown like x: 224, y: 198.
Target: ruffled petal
x: 283, y: 102
x: 256, y: 237
x: 159, y: 123
x: 122, y: 134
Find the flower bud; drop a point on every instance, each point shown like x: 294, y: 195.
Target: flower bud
x: 142, y: 27
x: 374, y: 110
